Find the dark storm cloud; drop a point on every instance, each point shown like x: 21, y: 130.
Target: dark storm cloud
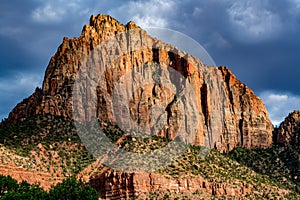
x: 31, y: 30
x: 254, y: 38
x: 257, y: 39
x: 260, y: 44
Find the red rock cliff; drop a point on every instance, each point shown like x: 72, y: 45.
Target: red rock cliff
x: 288, y: 132
x: 117, y: 185
x: 228, y: 113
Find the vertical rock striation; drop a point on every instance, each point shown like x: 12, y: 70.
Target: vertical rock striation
x: 114, y: 185
x: 228, y: 113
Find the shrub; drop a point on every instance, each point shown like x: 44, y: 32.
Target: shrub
x: 7, y: 183
x: 71, y: 189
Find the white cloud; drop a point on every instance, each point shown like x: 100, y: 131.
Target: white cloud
x: 252, y: 20
x: 147, y: 21
x: 279, y: 105
x: 55, y: 11
x: 295, y: 7
x: 152, y: 13
x: 295, y: 3
x: 47, y: 13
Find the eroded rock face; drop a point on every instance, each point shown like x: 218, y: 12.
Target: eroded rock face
x: 120, y: 185
x: 219, y: 111
x: 288, y: 132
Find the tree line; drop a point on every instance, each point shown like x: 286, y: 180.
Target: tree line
x: 69, y: 189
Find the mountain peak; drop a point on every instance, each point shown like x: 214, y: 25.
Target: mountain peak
x: 106, y: 21
x: 288, y: 132
x: 226, y: 112
x: 103, y: 27
x: 132, y: 25
x: 103, y: 21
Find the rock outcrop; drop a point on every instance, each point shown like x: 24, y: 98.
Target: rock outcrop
x: 24, y: 109
x: 117, y: 185
x: 218, y: 111
x: 288, y: 132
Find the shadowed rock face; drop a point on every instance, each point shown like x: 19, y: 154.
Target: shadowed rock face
x: 218, y: 110
x: 24, y: 109
x: 288, y: 132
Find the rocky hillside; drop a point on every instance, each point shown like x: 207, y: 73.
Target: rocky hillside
x: 218, y: 110
x: 288, y: 132
x: 245, y: 174
x: 41, y: 150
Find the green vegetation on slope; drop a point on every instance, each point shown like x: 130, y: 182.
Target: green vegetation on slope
x: 49, y: 142
x: 25, y: 135
x: 265, y: 171
x: 281, y: 165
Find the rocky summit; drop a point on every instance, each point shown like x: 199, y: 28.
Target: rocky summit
x: 131, y: 82
x: 288, y: 132
x: 228, y: 113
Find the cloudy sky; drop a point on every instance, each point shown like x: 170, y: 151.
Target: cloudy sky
x: 257, y: 39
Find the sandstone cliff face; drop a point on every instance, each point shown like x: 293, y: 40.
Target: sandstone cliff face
x: 225, y: 113
x: 288, y: 132
x: 117, y: 185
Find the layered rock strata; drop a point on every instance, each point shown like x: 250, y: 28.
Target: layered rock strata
x: 117, y: 185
